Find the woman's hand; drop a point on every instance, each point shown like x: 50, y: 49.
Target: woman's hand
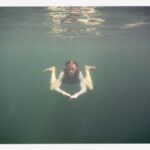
x: 66, y: 94
x: 75, y: 96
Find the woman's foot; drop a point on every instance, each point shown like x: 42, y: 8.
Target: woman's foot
x: 51, y: 69
x: 89, y: 67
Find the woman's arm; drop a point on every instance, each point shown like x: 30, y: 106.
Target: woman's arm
x: 83, y: 88
x: 58, y: 85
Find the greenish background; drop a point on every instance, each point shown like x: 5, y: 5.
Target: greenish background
x: 116, y: 111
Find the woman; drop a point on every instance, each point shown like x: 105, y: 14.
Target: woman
x: 71, y: 74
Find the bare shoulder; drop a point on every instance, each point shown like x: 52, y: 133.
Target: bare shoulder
x: 80, y: 74
x: 61, y: 75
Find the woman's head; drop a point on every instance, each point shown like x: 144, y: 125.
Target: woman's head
x: 71, y: 67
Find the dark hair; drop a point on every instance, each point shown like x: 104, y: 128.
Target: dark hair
x: 69, y: 61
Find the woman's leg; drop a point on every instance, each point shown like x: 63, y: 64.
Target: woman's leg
x: 88, y: 79
x: 53, y: 76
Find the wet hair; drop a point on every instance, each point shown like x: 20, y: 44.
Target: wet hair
x: 69, y: 61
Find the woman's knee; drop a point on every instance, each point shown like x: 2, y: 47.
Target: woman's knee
x: 91, y: 88
x: 52, y: 88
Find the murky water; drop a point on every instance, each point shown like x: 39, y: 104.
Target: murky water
x: 115, y: 40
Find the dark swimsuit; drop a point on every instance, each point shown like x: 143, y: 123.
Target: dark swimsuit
x: 71, y: 79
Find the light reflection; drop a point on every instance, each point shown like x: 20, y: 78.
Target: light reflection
x: 74, y: 20
x: 133, y: 25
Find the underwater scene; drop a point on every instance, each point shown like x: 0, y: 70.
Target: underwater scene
x: 116, y: 40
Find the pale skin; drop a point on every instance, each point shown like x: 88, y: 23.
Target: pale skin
x: 87, y: 80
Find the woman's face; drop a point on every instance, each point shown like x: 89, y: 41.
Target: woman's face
x: 71, y: 68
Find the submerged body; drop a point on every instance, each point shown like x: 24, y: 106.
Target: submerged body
x: 75, y: 78
x: 71, y: 75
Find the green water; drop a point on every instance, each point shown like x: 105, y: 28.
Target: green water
x: 116, y: 111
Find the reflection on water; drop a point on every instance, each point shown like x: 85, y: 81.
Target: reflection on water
x: 74, y: 20
x: 134, y: 25
x: 94, y: 21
